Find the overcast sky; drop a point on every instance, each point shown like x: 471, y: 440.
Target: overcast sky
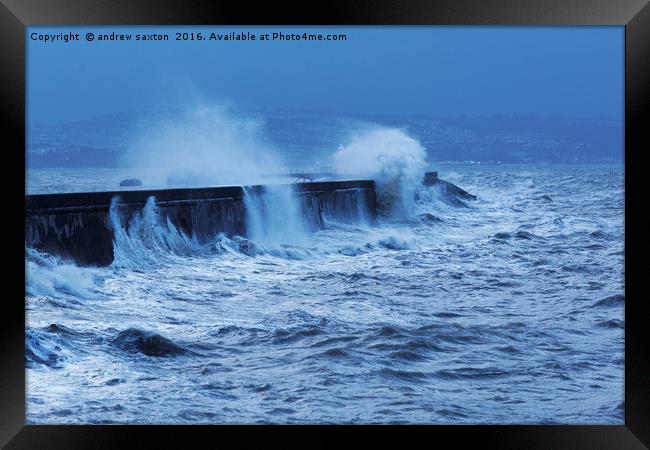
x: 447, y: 71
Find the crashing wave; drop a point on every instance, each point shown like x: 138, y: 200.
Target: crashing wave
x: 148, y: 238
x: 50, y: 276
x: 273, y: 216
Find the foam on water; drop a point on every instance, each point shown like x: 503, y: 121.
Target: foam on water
x: 49, y: 276
x: 508, y: 311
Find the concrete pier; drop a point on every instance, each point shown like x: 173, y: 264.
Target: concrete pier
x: 76, y: 226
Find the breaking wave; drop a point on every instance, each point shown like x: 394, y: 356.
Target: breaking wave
x: 392, y: 158
x: 50, y: 276
x: 273, y: 216
x: 279, y: 222
x: 147, y: 239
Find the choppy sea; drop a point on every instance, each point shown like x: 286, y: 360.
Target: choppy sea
x: 508, y: 311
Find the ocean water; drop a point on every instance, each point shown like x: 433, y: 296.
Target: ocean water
x: 508, y: 311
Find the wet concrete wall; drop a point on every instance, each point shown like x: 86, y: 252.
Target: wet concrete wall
x: 77, y: 226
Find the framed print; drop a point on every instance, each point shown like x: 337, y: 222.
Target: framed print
x: 418, y: 216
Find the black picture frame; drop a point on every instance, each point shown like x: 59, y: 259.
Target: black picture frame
x: 15, y: 15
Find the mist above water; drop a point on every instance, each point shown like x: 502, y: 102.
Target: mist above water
x: 204, y: 147
x: 212, y: 146
x: 392, y: 158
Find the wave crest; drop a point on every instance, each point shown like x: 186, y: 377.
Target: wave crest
x: 147, y: 342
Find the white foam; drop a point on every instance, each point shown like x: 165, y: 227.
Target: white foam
x: 50, y: 276
x: 206, y: 146
x: 273, y: 216
x: 392, y: 158
x: 147, y: 240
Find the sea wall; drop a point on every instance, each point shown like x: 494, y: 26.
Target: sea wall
x: 77, y: 226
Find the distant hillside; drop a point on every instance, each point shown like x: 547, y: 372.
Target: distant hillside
x: 306, y: 138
